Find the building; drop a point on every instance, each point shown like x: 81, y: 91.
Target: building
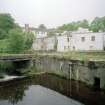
x: 39, y: 32
x: 27, y: 28
x: 81, y: 40
x: 45, y: 44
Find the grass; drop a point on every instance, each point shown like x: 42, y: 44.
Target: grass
x: 84, y: 56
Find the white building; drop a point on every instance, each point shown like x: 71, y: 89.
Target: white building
x: 45, y: 44
x: 82, y: 40
x: 27, y: 28
x: 39, y: 32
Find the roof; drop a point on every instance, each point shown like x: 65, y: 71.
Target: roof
x: 38, y: 29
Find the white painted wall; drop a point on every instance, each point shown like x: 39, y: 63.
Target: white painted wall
x: 62, y: 43
x: 88, y: 44
x: 50, y: 43
x: 41, y: 34
x: 46, y: 43
x: 37, y: 44
x: 75, y: 42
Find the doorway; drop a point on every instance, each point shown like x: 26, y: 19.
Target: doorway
x: 97, y: 83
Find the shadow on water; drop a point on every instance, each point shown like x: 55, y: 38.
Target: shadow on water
x: 14, y: 91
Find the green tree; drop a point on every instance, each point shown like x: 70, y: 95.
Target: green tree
x: 73, y: 26
x: 29, y: 37
x: 97, y: 25
x: 6, y: 22
x: 42, y: 27
x: 84, y: 24
x: 3, y: 34
x: 68, y: 27
x: 16, y: 41
x: 103, y: 23
x: 12, y: 38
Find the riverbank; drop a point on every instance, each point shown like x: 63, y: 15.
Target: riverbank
x: 72, y: 55
x: 82, y: 56
x: 87, y: 67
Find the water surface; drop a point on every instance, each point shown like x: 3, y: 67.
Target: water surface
x: 38, y: 90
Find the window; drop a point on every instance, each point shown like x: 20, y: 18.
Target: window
x: 68, y: 39
x: 82, y: 39
x: 93, y: 38
x: 64, y: 47
x: 73, y: 47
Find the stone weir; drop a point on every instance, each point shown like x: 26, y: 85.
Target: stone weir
x: 90, y: 72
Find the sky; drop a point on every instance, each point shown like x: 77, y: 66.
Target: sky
x: 52, y: 13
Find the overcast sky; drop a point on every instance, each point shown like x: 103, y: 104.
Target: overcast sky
x: 52, y: 13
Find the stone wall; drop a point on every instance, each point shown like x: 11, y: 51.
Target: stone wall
x: 86, y: 71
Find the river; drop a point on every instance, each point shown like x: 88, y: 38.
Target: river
x: 48, y: 89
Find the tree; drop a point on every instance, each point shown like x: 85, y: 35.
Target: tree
x: 6, y: 23
x: 42, y: 27
x: 68, y: 27
x: 29, y: 37
x: 12, y: 38
x: 16, y: 41
x: 3, y: 34
x: 103, y: 22
x: 73, y: 26
x: 97, y: 25
x: 84, y: 24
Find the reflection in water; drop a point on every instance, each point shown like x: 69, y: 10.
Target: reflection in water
x: 14, y: 91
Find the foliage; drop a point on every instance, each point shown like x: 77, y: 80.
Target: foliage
x: 3, y: 34
x: 83, y: 24
x: 4, y: 46
x: 42, y: 26
x: 6, y: 23
x: 12, y: 38
x: 68, y: 27
x: 74, y: 25
x: 16, y: 41
x: 29, y: 36
x: 98, y: 24
x: 19, y: 41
